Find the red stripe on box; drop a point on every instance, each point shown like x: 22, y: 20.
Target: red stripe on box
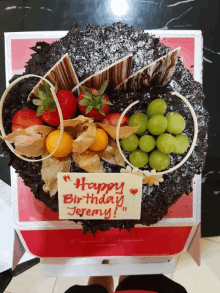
x: 149, y: 241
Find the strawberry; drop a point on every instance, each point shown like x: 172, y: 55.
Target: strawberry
x: 112, y: 119
x: 94, y: 103
x: 105, y: 120
x: 47, y: 107
x: 16, y: 127
x: 25, y: 118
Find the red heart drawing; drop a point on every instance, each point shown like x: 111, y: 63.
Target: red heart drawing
x: 133, y: 191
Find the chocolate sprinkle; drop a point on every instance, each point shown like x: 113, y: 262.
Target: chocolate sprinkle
x: 91, y: 50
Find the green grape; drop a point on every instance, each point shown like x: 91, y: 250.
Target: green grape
x: 157, y: 124
x: 156, y: 107
x: 182, y: 144
x: 138, y: 158
x: 138, y: 119
x: 166, y: 143
x: 175, y: 123
x: 158, y: 160
x: 147, y: 143
x: 130, y: 143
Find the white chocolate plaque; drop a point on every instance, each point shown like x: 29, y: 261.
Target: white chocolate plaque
x: 99, y: 196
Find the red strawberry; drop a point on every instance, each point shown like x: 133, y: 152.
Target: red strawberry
x: 112, y: 119
x: 25, y: 118
x: 105, y: 120
x: 51, y: 117
x: 47, y: 107
x: 16, y: 127
x: 94, y: 103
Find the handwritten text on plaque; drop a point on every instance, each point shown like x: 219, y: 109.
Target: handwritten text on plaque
x: 99, y: 196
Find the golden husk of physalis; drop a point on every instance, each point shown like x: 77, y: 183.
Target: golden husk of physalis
x: 30, y: 141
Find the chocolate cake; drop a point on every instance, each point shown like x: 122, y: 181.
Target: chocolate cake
x: 92, y: 49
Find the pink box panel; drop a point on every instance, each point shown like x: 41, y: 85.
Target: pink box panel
x: 21, y: 52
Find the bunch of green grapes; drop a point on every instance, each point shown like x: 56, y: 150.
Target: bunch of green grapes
x: 163, y: 128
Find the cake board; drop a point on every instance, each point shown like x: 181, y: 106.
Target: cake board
x: 35, y: 222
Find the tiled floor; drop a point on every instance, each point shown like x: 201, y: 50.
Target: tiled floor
x: 203, y: 279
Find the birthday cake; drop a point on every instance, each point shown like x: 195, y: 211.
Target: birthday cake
x: 152, y: 73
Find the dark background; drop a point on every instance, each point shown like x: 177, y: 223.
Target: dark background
x: 39, y: 15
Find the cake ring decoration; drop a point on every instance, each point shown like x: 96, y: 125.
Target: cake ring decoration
x: 148, y: 177
x: 33, y: 130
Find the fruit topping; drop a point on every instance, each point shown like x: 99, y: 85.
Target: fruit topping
x: 65, y: 146
x: 139, y: 119
x: 68, y: 103
x: 166, y: 143
x: 138, y: 158
x: 25, y: 118
x: 157, y: 124
x: 16, y: 127
x: 175, y: 123
x: 147, y: 143
x: 94, y: 103
x: 47, y: 107
x: 182, y: 144
x: 156, y: 107
x: 158, y: 160
x: 130, y: 143
x: 105, y: 121
x: 112, y: 119
x: 100, y: 142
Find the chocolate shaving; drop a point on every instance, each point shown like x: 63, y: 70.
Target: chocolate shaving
x: 124, y: 132
x: 115, y: 74
x: 111, y: 154
x: 89, y: 161
x: 158, y: 73
x: 49, y: 170
x: 61, y: 74
x: 31, y: 141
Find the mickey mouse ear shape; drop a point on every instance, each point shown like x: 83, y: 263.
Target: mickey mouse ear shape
x: 158, y: 73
